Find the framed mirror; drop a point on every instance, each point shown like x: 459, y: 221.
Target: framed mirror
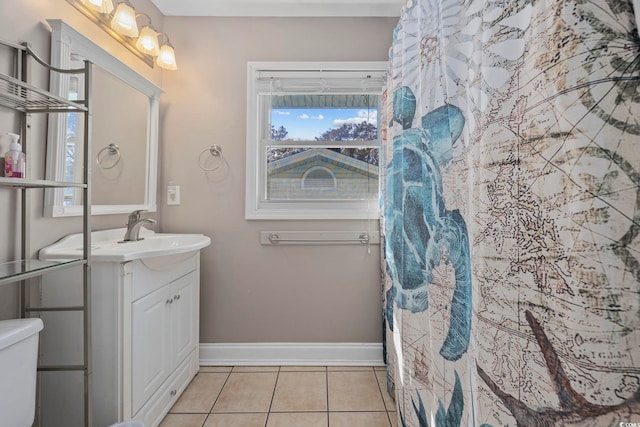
x: 124, y: 131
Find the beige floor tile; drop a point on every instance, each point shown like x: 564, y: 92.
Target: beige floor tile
x: 359, y: 419
x: 349, y: 368
x: 388, y: 399
x: 298, y: 419
x: 393, y: 416
x: 216, y: 368
x: 200, y: 394
x: 183, y: 420
x: 247, y: 392
x: 297, y: 395
x: 380, y: 368
x: 303, y: 369
x: 354, y: 391
x: 256, y: 369
x: 236, y: 420
x: 300, y: 391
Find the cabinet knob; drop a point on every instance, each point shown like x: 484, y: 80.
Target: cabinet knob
x: 170, y: 301
x: 173, y: 392
x: 176, y: 297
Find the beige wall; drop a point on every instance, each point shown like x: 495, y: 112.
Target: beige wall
x: 25, y: 21
x: 250, y: 293
x: 254, y: 293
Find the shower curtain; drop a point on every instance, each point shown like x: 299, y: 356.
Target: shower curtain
x: 511, y: 213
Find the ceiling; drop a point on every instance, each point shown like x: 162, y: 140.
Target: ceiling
x: 300, y: 8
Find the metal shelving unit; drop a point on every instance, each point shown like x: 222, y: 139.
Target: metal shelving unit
x: 37, y: 183
x: 22, y: 98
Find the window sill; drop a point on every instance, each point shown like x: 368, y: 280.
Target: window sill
x: 286, y: 213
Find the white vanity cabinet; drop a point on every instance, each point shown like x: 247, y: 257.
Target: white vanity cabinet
x: 164, y: 333
x: 145, y: 299
x: 159, y: 338
x: 145, y: 326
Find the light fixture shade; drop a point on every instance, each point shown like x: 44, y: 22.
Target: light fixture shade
x: 167, y: 58
x: 148, y: 41
x: 100, y: 6
x: 124, y: 21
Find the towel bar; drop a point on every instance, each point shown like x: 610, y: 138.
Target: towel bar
x: 319, y: 237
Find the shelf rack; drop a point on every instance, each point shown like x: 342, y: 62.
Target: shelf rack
x: 14, y: 271
x: 38, y: 183
x: 20, y: 96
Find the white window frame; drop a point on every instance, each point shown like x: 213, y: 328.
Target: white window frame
x: 256, y: 205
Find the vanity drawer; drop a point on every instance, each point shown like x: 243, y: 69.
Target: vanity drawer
x: 153, y: 273
x: 157, y: 407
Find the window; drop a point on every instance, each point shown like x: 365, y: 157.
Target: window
x: 319, y: 178
x: 312, y: 140
x: 73, y: 144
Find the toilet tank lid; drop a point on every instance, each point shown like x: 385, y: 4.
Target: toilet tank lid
x: 15, y: 330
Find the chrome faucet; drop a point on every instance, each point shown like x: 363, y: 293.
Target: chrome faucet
x: 134, y: 224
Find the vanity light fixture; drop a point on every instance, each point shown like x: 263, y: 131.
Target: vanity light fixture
x: 100, y: 6
x: 122, y: 25
x: 148, y: 41
x: 124, y: 20
x: 167, y: 57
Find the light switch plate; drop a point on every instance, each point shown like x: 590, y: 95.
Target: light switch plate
x: 173, y: 195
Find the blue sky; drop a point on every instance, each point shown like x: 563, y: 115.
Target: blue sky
x: 308, y: 123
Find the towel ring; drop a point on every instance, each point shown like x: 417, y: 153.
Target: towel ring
x: 216, y: 151
x: 113, y: 149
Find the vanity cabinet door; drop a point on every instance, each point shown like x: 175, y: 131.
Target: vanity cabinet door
x: 150, y: 344
x: 184, y: 317
x: 164, y: 327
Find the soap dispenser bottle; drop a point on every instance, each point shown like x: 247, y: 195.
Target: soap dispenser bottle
x: 14, y: 161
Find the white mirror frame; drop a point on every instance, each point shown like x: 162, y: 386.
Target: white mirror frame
x: 64, y: 41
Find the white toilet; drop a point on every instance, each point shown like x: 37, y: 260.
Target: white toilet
x: 18, y: 366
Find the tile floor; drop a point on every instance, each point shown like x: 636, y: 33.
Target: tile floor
x: 287, y: 396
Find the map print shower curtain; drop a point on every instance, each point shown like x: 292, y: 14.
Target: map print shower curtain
x: 512, y: 213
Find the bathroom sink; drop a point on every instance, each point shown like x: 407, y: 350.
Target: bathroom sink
x: 107, y: 246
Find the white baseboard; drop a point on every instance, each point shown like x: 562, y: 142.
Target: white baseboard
x: 291, y: 354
